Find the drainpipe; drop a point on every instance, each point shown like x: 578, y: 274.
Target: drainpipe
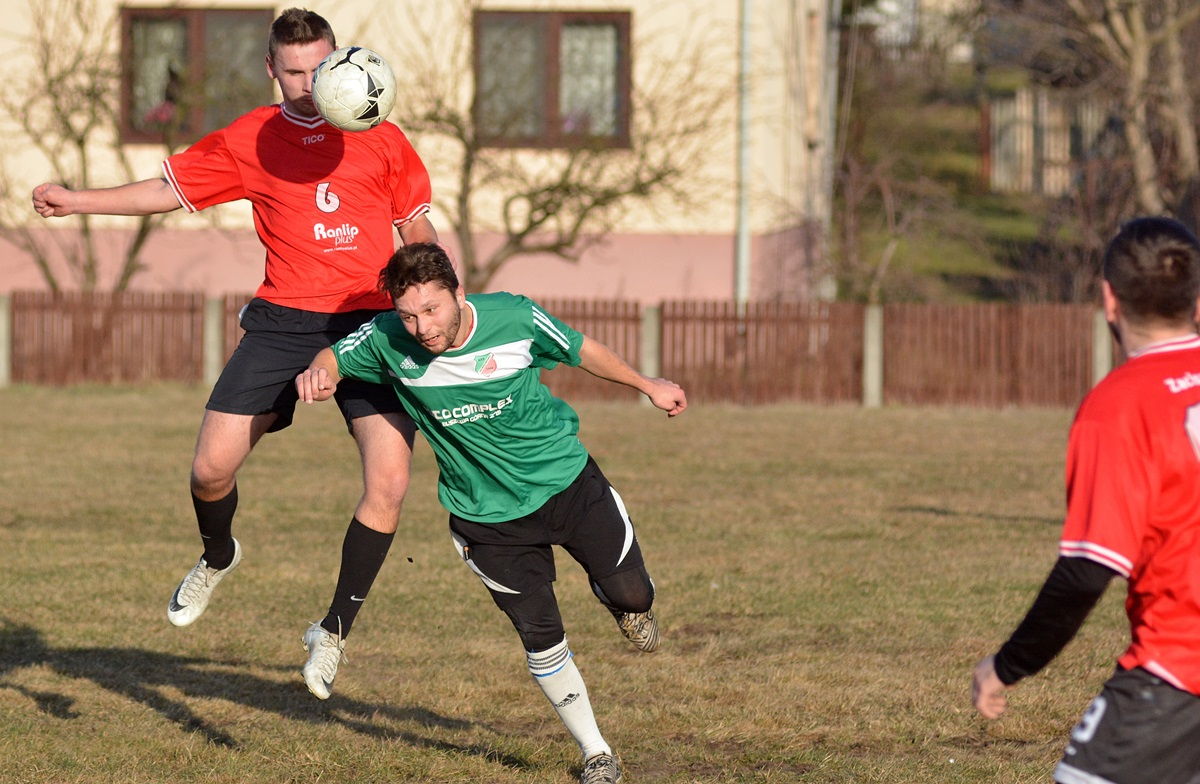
x: 741, y: 289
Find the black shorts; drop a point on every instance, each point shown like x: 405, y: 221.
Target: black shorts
x: 587, y: 519
x: 279, y: 343
x: 1139, y: 730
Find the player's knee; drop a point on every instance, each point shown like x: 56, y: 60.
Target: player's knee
x: 210, y: 479
x: 629, y: 591
x: 386, y: 493
x: 535, y: 616
x: 541, y: 639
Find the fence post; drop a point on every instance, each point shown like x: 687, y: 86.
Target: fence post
x: 872, y: 370
x: 5, y: 340
x: 651, y: 346
x: 1101, y: 347
x: 214, y: 338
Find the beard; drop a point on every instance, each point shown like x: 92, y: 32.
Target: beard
x: 446, y: 337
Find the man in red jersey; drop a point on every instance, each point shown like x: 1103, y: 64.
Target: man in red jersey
x: 324, y: 204
x: 1133, y: 509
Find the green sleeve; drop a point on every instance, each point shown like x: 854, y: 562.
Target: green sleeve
x: 553, y: 340
x: 358, y: 355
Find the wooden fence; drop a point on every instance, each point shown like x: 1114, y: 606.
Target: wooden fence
x: 128, y: 338
x: 987, y: 354
x: 771, y: 352
x: 979, y: 354
x: 617, y: 325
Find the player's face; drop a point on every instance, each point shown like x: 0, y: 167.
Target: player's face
x: 433, y: 315
x: 293, y: 67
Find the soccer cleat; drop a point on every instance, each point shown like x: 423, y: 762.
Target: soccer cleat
x: 641, y: 629
x: 191, y: 597
x: 325, y: 652
x: 601, y: 769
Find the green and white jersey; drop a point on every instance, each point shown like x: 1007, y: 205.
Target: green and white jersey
x: 504, y: 444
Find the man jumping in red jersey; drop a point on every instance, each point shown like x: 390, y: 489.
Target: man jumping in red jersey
x: 1133, y: 509
x: 324, y: 206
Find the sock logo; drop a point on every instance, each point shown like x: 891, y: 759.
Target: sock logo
x: 355, y: 598
x: 567, y: 700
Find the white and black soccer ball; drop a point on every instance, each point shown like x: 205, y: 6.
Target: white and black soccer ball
x: 354, y: 88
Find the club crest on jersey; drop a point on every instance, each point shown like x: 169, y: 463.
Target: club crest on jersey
x: 485, y: 364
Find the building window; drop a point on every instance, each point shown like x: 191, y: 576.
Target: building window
x: 188, y: 71
x: 552, y: 79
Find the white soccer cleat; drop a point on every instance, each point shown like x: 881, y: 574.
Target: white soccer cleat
x: 641, y: 629
x: 191, y: 597
x: 601, y: 769
x: 325, y: 652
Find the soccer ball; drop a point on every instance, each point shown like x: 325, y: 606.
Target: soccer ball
x: 354, y: 88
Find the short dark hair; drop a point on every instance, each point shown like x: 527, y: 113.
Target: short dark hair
x: 412, y: 265
x: 299, y: 26
x: 1153, y: 267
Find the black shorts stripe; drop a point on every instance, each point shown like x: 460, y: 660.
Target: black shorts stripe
x: 586, y: 519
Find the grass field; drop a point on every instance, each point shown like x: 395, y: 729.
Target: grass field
x: 827, y: 577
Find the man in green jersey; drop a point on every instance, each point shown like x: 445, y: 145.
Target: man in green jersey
x: 513, y: 473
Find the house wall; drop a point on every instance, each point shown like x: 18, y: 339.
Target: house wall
x: 667, y: 249
x: 647, y: 268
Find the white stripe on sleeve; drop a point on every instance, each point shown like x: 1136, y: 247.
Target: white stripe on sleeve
x: 543, y: 322
x: 355, y: 338
x: 170, y: 177
x: 1101, y: 555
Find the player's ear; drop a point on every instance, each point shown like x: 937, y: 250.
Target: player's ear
x: 270, y: 66
x: 1112, y: 307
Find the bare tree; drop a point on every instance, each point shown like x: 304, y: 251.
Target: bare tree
x: 1134, y: 52
x: 70, y: 116
x: 1061, y: 264
x: 879, y: 212
x: 1134, y: 34
x: 886, y: 201
x: 560, y: 201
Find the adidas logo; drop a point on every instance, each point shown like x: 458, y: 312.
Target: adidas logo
x: 408, y: 364
x: 567, y: 700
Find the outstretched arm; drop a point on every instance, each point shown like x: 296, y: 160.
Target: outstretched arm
x: 602, y: 362
x: 1069, y: 593
x: 320, y: 380
x: 145, y: 197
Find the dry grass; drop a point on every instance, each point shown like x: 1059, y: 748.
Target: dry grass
x: 827, y: 576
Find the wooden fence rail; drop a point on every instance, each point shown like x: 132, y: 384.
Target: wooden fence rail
x: 127, y: 338
x: 978, y: 354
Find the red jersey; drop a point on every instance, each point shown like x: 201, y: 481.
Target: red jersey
x: 325, y: 201
x: 1133, y: 501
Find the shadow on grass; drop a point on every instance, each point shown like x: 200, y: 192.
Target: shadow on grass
x: 141, y: 675
x: 940, y: 512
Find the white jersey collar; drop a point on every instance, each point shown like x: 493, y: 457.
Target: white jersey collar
x: 304, y: 122
x: 474, y: 328
x: 1180, y: 343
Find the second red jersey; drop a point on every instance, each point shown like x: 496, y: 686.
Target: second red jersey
x: 325, y: 201
x: 1133, y: 501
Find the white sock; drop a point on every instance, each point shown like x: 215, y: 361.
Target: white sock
x: 555, y: 672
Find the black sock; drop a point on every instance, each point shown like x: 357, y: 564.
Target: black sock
x: 363, y: 552
x: 215, y: 519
